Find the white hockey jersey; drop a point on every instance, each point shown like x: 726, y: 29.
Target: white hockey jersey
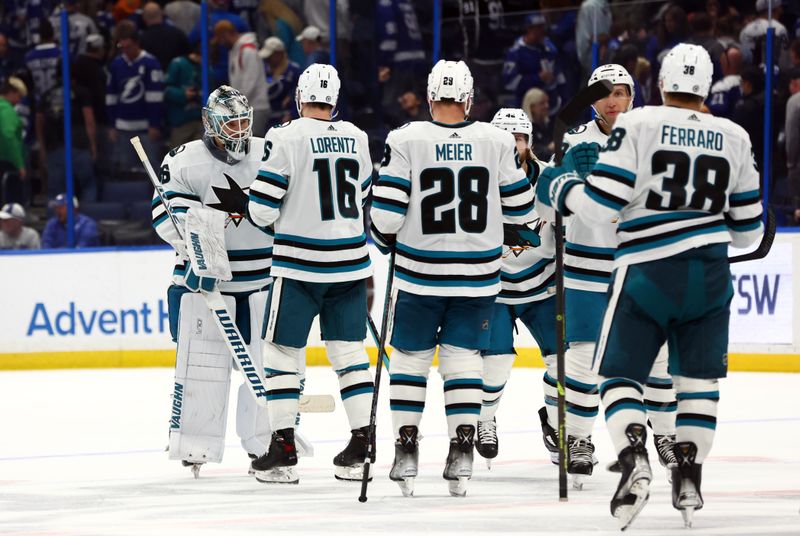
x: 192, y: 176
x: 679, y: 179
x: 590, y: 246
x: 528, y: 274
x: 312, y: 185
x: 445, y: 191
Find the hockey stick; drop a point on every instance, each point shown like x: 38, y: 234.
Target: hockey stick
x: 565, y: 119
x: 227, y: 325
x: 387, y: 306
x: 764, y: 246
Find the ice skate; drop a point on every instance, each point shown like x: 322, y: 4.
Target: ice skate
x: 458, y: 468
x: 349, y: 464
x: 406, y: 460
x: 581, y: 460
x: 634, y: 485
x: 487, y: 443
x: 686, y: 476
x: 277, y: 465
x: 665, y: 445
x: 195, y: 467
x: 549, y: 436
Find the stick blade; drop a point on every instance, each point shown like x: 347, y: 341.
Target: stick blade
x: 764, y: 246
x: 317, y: 404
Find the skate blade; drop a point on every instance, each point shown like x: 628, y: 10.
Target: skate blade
x: 489, y: 464
x: 278, y: 475
x: 351, y: 473
x: 458, y: 488
x: 406, y: 486
x: 554, y: 457
x: 627, y: 513
x: 196, y: 470
x: 578, y: 481
x: 688, y: 515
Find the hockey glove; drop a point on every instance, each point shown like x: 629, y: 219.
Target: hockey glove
x: 196, y: 283
x: 516, y: 235
x: 582, y: 158
x: 384, y: 242
x: 553, y: 186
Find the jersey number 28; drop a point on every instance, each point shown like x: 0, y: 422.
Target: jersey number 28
x: 473, y: 185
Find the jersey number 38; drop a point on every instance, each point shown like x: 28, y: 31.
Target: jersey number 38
x: 709, y: 175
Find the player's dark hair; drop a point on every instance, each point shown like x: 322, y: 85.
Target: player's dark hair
x: 686, y: 98
x: 126, y: 29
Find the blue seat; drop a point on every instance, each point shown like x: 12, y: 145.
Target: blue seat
x: 104, y: 210
x: 140, y: 211
x: 127, y: 191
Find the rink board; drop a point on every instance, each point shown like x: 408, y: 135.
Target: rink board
x: 107, y: 308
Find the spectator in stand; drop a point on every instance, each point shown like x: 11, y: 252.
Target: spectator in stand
x: 412, y: 108
x: 672, y: 29
x: 88, y: 71
x: 134, y: 98
x: 8, y: 64
x: 184, y: 14
x: 537, y: 105
x: 726, y: 93
x: 317, y: 14
x: 282, y: 76
x: 13, y: 233
x: 81, y: 26
x: 162, y: 40
x: 246, y: 9
x: 311, y: 40
x: 246, y: 71
x: 218, y: 53
x: 794, y: 52
x: 284, y: 24
x: 532, y: 62
x: 750, y: 111
x: 183, y: 99
x: 702, y: 35
x: 128, y: 10
x: 792, y: 132
x: 628, y: 56
x: 105, y: 19
x: 753, y: 35
x: 54, y: 235
x: 727, y: 32
x: 43, y: 61
x: 594, y: 16
x: 12, y: 152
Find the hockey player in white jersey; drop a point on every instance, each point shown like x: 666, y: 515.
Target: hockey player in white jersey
x: 588, y: 262
x: 445, y: 188
x: 311, y: 186
x: 683, y: 184
x: 215, y: 172
x: 527, y: 280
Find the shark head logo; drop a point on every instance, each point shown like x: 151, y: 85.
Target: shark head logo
x: 232, y: 200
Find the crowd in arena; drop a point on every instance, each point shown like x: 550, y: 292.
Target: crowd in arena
x: 135, y: 70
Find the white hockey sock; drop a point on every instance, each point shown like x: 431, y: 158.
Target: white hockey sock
x: 550, y: 390
x: 496, y: 371
x: 583, y: 400
x: 356, y: 388
x: 623, y: 404
x: 282, y: 370
x: 462, y: 400
x: 659, y: 401
x: 696, y: 420
x: 408, y: 382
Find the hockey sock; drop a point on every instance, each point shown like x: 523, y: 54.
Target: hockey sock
x: 583, y: 400
x: 356, y: 388
x: 462, y: 400
x: 550, y: 390
x: 496, y: 371
x: 696, y: 420
x: 659, y: 401
x: 408, y: 382
x: 624, y: 405
x: 283, y: 398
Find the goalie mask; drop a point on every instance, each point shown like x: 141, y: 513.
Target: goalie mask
x: 515, y: 121
x: 451, y: 80
x: 228, y: 119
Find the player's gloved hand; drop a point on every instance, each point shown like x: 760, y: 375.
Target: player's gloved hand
x: 384, y: 242
x: 196, y: 283
x: 520, y: 235
x: 581, y: 158
x: 553, y: 185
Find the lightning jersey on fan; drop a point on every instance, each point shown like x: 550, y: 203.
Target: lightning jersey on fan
x: 679, y: 179
x: 590, y: 247
x: 445, y: 190
x: 312, y: 184
x: 527, y: 273
x: 192, y: 176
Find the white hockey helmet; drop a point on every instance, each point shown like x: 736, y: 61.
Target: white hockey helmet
x: 686, y: 69
x: 228, y: 117
x: 318, y: 83
x: 616, y: 74
x: 450, y: 80
x: 515, y: 121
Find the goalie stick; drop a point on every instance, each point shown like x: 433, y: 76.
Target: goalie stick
x: 565, y: 119
x: 227, y: 326
x: 764, y: 246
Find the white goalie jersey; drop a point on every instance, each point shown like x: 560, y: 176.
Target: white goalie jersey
x: 678, y: 179
x: 193, y: 177
x: 311, y: 185
x: 445, y: 191
x: 589, y: 249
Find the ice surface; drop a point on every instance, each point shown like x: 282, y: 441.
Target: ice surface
x: 82, y: 453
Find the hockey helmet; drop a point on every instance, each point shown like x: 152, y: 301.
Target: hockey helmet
x: 318, y: 83
x: 617, y: 75
x: 686, y: 69
x: 450, y: 80
x: 228, y: 117
x: 515, y: 121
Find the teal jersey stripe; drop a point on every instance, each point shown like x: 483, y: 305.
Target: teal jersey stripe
x: 322, y: 241
x: 671, y: 240
x: 516, y: 275
x: 585, y: 277
x: 582, y: 413
x: 450, y: 254
x: 493, y: 388
x: 603, y: 201
x: 589, y: 386
x: 409, y: 378
x: 463, y: 411
x: 400, y: 181
x: 241, y: 278
x: 711, y: 395
x: 321, y: 269
x: 362, y: 391
x: 464, y: 381
x: 510, y: 187
x: 617, y: 171
x: 520, y: 212
x: 659, y: 381
x: 156, y: 201
x: 591, y: 249
x: 625, y: 405
x: 169, y: 194
x: 745, y: 196
x: 365, y: 183
x: 265, y: 202
x: 390, y: 208
x: 403, y: 407
x: 427, y: 283
x: 275, y: 176
x: 233, y: 253
x: 741, y: 228
x: 659, y: 218
x: 695, y: 422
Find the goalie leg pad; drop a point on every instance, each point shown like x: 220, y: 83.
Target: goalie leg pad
x: 659, y: 396
x: 202, y: 383
x: 582, y: 397
x: 283, y: 384
x: 461, y: 371
x: 408, y: 382
x: 351, y: 363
